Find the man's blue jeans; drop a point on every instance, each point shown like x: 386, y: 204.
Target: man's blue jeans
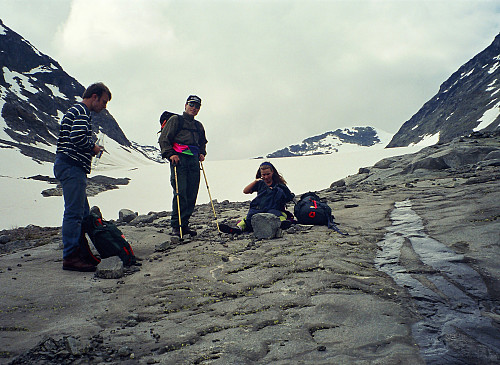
x: 76, y: 206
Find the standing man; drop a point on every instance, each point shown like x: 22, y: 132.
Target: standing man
x: 75, y: 149
x: 183, y: 142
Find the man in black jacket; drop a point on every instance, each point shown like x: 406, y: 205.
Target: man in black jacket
x: 75, y: 149
x: 183, y: 143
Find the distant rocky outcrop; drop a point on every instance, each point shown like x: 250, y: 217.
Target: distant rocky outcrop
x: 467, y: 101
x: 330, y: 142
x: 479, y: 150
x: 95, y: 184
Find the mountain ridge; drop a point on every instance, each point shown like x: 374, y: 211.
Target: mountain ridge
x: 334, y: 141
x: 467, y: 101
x: 35, y: 92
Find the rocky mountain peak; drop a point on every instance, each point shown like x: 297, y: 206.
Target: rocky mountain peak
x: 35, y: 92
x: 331, y: 142
x: 467, y: 101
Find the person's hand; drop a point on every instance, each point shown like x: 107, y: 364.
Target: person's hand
x: 97, y: 150
x: 202, y: 157
x: 174, y: 159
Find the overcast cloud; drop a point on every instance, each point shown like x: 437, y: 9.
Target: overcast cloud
x: 270, y: 73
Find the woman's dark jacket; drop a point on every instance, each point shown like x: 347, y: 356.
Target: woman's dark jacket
x: 272, y: 197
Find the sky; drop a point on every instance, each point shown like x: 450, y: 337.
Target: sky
x: 270, y: 72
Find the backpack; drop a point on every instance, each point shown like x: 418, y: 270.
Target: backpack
x: 108, y: 239
x: 165, y: 116
x: 84, y: 249
x: 311, y: 210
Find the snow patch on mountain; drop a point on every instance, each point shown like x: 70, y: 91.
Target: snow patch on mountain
x: 427, y: 140
x: 488, y: 117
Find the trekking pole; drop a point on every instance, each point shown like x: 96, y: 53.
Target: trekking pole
x: 210, y: 196
x: 178, y: 201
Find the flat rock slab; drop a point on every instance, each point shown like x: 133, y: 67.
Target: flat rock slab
x: 310, y: 297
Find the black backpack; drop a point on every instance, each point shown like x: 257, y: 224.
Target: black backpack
x: 165, y: 116
x: 108, y: 239
x: 311, y: 210
x: 84, y: 249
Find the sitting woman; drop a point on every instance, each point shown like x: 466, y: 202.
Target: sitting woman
x: 272, y: 196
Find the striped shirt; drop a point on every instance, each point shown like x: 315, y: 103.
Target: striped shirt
x: 75, y: 137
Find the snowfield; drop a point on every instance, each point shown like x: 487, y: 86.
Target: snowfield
x: 149, y: 188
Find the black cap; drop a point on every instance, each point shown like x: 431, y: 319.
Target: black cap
x: 193, y: 99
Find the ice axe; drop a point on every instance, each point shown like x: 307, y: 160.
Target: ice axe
x: 210, y: 196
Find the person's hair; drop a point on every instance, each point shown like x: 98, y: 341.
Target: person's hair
x: 98, y: 88
x: 277, y: 178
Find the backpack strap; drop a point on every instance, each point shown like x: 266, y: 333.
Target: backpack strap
x: 332, y: 225
x: 180, y: 124
x: 165, y: 116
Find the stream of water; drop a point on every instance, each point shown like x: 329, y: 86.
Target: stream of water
x: 449, y: 295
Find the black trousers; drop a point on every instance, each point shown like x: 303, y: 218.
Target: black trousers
x: 188, y: 179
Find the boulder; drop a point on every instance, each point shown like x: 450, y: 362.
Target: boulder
x: 266, y: 226
x: 74, y: 346
x: 144, y: 219
x: 491, y: 159
x: 493, y: 155
x: 110, y: 268
x: 126, y: 215
x: 338, y: 183
x: 428, y: 163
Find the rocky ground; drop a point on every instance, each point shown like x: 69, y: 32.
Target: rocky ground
x: 416, y: 281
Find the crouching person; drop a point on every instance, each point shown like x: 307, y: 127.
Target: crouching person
x: 272, y: 196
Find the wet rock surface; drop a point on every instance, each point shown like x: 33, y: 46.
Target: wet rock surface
x: 451, y: 297
x: 382, y: 295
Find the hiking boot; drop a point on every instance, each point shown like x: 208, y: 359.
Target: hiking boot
x: 189, y: 231
x: 285, y: 224
x: 74, y: 263
x: 224, y: 228
x: 176, y: 231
